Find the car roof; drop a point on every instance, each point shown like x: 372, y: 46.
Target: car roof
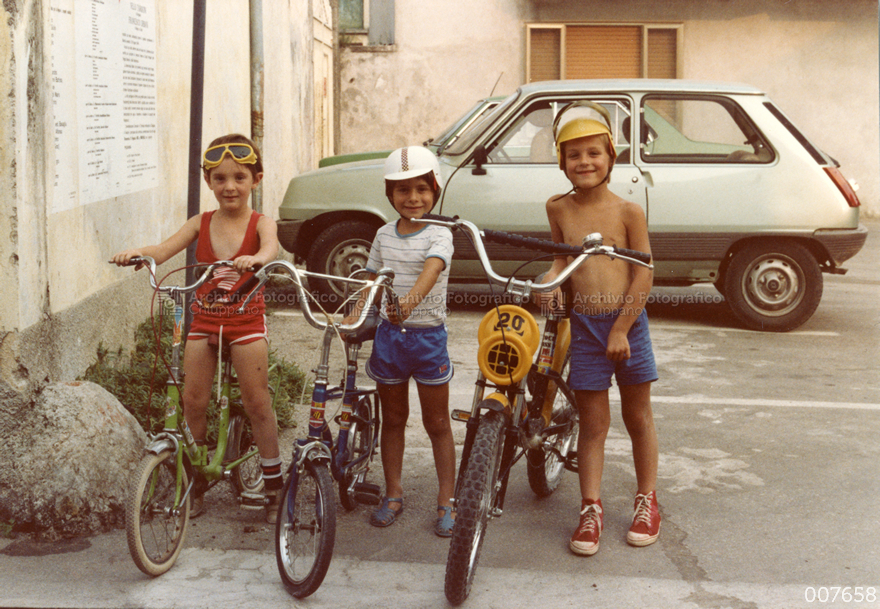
x: 640, y: 85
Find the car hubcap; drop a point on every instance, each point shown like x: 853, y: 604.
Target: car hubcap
x: 773, y: 285
x: 347, y: 258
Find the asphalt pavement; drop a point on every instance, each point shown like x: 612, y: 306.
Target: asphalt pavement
x: 768, y: 486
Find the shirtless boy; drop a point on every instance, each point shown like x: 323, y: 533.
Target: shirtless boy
x: 609, y: 325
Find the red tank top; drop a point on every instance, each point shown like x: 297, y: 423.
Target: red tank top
x: 215, y: 297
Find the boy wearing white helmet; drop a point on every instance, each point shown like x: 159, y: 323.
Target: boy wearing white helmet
x: 609, y: 326
x: 411, y: 342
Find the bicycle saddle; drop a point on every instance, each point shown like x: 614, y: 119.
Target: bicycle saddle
x: 368, y: 330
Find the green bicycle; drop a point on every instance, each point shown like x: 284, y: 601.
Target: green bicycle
x: 174, y: 469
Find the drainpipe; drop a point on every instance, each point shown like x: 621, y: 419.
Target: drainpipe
x: 256, y: 17
x: 195, y: 131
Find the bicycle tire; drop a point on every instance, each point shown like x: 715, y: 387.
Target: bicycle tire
x: 360, y: 438
x: 305, y: 532
x: 545, y: 467
x: 154, y: 529
x: 476, y: 496
x: 248, y: 476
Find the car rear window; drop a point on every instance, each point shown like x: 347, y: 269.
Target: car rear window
x: 800, y: 137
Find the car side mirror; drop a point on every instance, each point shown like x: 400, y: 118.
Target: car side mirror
x: 480, y: 158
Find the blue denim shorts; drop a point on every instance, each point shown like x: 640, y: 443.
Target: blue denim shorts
x: 418, y: 353
x: 590, y: 367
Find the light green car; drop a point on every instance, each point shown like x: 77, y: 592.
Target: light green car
x: 446, y: 137
x: 734, y: 193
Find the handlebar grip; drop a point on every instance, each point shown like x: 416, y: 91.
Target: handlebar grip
x: 439, y: 218
x: 133, y: 261
x: 640, y: 256
x: 532, y: 243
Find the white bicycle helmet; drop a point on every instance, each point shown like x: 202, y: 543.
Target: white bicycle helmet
x: 412, y: 162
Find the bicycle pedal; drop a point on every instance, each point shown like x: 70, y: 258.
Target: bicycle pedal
x: 252, y: 501
x: 571, y: 462
x: 367, y: 493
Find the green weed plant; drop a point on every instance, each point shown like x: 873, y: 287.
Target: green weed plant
x: 138, y: 379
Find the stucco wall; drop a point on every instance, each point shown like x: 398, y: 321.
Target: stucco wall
x: 60, y: 297
x: 818, y: 60
x: 447, y: 55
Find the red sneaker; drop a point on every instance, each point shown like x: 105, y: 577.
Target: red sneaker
x: 646, y: 521
x: 585, y: 540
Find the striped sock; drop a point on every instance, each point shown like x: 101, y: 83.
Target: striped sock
x: 272, y: 473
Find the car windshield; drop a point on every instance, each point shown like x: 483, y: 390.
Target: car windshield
x: 466, y: 139
x: 455, y: 130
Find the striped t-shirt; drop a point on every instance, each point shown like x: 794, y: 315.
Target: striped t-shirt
x: 406, y: 256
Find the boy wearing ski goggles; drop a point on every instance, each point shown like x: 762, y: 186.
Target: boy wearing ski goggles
x: 240, y: 152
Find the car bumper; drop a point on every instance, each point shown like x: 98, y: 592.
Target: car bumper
x: 842, y: 244
x: 288, y: 230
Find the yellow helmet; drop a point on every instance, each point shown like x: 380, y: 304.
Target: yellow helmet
x: 582, y: 119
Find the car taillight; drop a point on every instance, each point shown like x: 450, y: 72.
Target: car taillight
x: 845, y: 187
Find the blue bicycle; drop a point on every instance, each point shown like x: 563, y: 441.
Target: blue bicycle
x: 306, y: 527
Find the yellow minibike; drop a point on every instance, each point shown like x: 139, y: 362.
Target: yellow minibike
x: 522, y: 406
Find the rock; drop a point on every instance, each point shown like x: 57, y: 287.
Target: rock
x: 65, y: 466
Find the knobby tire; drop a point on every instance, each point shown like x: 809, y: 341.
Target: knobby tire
x: 476, y: 497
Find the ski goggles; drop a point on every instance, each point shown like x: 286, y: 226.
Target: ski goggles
x: 240, y: 153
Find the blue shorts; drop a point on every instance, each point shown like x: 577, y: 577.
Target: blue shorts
x: 591, y: 369
x: 418, y: 353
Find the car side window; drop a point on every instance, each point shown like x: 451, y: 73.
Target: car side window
x: 529, y: 139
x: 682, y: 130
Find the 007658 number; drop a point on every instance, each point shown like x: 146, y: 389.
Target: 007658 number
x: 847, y: 594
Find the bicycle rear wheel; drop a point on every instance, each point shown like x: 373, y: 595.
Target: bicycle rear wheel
x: 154, y: 525
x: 474, y: 500
x: 247, y: 477
x: 306, y: 529
x: 544, y: 466
x: 360, y: 438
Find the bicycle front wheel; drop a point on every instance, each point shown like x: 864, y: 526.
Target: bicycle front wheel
x: 247, y: 477
x: 306, y: 529
x: 475, y: 499
x: 155, y: 524
x: 545, y: 465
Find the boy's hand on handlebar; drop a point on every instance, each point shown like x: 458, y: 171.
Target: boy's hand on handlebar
x: 124, y: 258
x: 243, y: 264
x: 397, y: 315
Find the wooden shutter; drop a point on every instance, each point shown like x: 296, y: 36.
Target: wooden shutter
x: 603, y: 51
x: 662, y: 57
x: 544, y: 63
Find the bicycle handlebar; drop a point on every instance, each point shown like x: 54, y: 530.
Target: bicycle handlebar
x: 383, y: 281
x: 592, y: 246
x: 170, y: 289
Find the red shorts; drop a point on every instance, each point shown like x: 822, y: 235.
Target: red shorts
x: 239, y: 331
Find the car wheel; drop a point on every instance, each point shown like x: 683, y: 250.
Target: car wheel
x: 773, y: 287
x: 340, y: 250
